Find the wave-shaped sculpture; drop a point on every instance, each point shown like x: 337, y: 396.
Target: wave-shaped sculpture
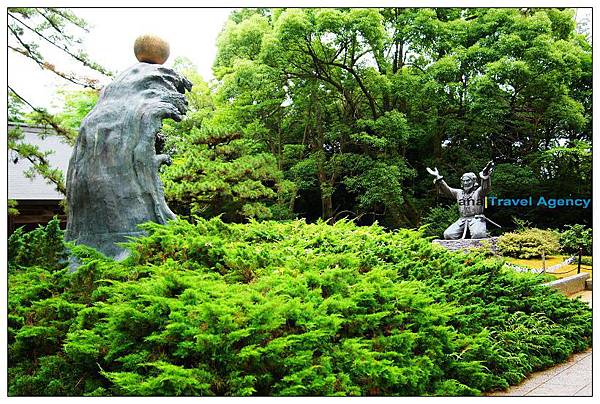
x: 113, y: 182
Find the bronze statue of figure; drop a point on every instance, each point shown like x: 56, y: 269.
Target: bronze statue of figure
x: 470, y: 203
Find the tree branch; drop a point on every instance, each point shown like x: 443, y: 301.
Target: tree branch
x: 49, y: 119
x: 53, y: 24
x: 78, y: 23
x: 47, y: 66
x: 62, y: 48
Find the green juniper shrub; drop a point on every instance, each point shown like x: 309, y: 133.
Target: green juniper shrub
x: 12, y: 207
x: 276, y: 309
x: 43, y: 246
x: 528, y: 243
x: 438, y: 219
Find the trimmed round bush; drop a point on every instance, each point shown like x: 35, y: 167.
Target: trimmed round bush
x: 528, y: 243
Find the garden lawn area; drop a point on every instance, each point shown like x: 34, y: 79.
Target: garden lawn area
x: 278, y: 309
x: 562, y: 272
x: 536, y: 263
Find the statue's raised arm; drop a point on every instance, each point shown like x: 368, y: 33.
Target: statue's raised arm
x: 485, y: 175
x: 435, y: 173
x: 441, y: 184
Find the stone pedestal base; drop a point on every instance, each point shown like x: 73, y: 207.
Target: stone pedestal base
x: 468, y: 243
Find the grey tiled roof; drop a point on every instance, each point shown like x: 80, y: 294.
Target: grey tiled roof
x: 22, y: 188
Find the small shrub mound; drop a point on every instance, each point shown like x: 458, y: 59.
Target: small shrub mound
x: 528, y: 243
x: 278, y: 309
x: 574, y: 237
x: 43, y: 246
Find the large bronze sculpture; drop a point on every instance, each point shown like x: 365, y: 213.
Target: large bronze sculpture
x: 470, y: 199
x: 112, y: 181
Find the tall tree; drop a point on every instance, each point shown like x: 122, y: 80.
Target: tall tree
x: 355, y: 102
x: 220, y: 167
x: 328, y: 110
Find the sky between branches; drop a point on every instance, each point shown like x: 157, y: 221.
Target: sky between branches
x: 190, y: 32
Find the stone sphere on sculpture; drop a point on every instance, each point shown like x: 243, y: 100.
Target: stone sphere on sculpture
x: 151, y: 49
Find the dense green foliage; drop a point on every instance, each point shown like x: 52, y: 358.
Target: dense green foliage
x: 438, y: 219
x: 218, y: 168
x: 75, y: 105
x: 12, y: 207
x: 355, y: 103
x: 281, y: 309
x: 42, y: 247
x: 528, y: 243
x: 574, y: 237
x: 331, y: 113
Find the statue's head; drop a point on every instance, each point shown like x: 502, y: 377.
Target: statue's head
x: 468, y: 181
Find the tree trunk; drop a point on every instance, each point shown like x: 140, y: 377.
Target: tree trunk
x: 326, y: 196
x: 325, y: 185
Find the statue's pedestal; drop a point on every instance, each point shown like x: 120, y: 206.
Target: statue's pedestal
x: 468, y: 244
